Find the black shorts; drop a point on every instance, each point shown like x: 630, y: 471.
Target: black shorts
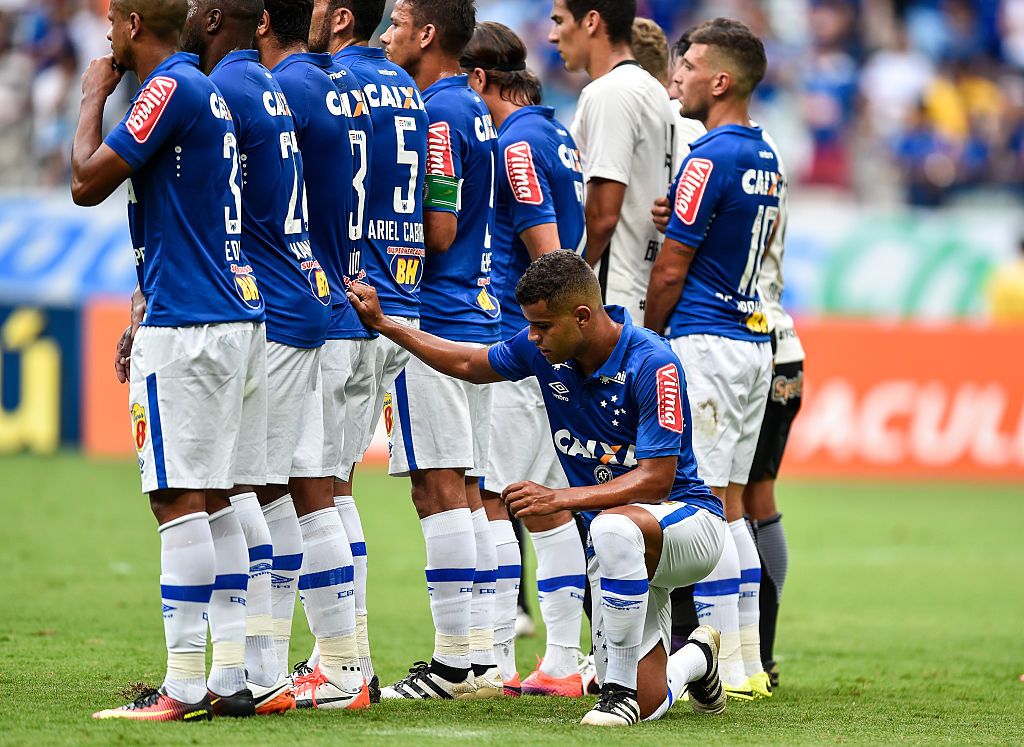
x: 784, y: 399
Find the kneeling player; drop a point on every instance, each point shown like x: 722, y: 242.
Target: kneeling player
x: 616, y: 401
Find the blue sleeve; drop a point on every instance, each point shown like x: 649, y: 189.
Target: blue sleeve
x: 659, y: 388
x: 526, y: 177
x: 446, y: 144
x: 159, y: 112
x: 695, y: 196
x: 512, y: 359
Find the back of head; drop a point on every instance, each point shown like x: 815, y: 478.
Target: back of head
x: 737, y: 48
x: 650, y: 47
x: 162, y: 18
x: 617, y: 15
x: 367, y: 14
x: 496, y: 49
x: 289, y: 20
x: 562, y: 280
x: 454, y: 21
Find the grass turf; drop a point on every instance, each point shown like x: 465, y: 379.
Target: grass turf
x: 900, y: 623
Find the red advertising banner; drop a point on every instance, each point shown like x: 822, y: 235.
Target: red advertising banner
x: 910, y: 401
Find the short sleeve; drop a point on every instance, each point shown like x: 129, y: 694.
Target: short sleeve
x: 659, y: 390
x: 530, y: 201
x: 445, y: 146
x: 694, y: 198
x: 513, y: 358
x: 609, y: 125
x: 158, y: 112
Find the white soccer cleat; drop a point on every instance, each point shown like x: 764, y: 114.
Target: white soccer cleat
x: 617, y: 706
x: 588, y: 675
x: 316, y: 691
x: 423, y: 684
x: 487, y: 685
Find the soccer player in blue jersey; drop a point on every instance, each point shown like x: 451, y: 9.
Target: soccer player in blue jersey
x: 298, y: 295
x: 392, y: 245
x: 704, y: 292
x: 616, y: 401
x: 426, y: 38
x: 197, y: 395
x: 539, y: 210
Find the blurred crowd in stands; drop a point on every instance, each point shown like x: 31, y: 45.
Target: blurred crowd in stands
x: 914, y: 100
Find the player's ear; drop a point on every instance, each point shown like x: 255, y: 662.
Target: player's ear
x: 583, y: 315
x: 134, y: 24
x: 721, y: 83
x: 213, y: 20
x: 264, y: 26
x: 591, y: 22
x: 342, y: 20
x: 427, y: 35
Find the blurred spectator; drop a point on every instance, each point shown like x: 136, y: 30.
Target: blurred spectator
x: 16, y: 71
x: 1006, y: 290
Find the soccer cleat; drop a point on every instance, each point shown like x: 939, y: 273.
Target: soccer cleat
x: 488, y: 684
x: 617, y: 706
x: 423, y: 684
x: 236, y: 705
x: 513, y: 687
x: 316, y: 691
x: 760, y: 684
x: 739, y: 692
x: 541, y: 683
x: 302, y: 672
x: 373, y: 687
x: 525, y: 626
x: 772, y: 668
x: 277, y: 698
x: 156, y: 705
x: 588, y: 676
x: 708, y: 694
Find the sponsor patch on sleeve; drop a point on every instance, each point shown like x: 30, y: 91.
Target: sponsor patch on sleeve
x: 439, y: 150
x: 690, y: 190
x: 522, y: 174
x: 670, y: 406
x: 149, y: 107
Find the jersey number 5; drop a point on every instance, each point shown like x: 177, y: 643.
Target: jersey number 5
x: 405, y: 204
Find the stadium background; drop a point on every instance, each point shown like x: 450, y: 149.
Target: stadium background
x: 902, y: 122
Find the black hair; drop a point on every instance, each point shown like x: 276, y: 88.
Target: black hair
x: 559, y: 278
x: 737, y: 42
x: 617, y: 15
x: 454, y: 21
x: 290, y: 19
x: 165, y: 18
x: 367, y: 13
x: 497, y: 49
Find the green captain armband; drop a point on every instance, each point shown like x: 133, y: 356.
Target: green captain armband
x: 441, y: 192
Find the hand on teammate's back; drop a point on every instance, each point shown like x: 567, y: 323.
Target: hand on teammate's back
x: 101, y: 77
x: 364, y: 301
x: 660, y: 214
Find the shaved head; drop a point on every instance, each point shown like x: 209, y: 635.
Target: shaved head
x: 163, y: 18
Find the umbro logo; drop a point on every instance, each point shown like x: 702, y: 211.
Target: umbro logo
x: 560, y: 390
x: 621, y: 604
x: 278, y: 580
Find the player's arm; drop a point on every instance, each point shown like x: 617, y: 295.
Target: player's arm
x: 439, y: 230
x: 650, y: 482
x: 441, y: 186
x: 450, y: 358
x: 602, y: 210
x: 541, y: 239
x: 667, y: 278
x: 96, y: 170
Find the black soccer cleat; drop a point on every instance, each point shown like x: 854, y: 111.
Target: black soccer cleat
x: 707, y: 694
x: 237, y: 705
x: 374, y: 687
x: 617, y: 706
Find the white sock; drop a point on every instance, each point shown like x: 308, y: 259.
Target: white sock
x: 619, y: 546
x: 328, y: 596
x: 481, y: 612
x: 717, y: 601
x: 505, y: 600
x: 561, y: 579
x: 261, y: 664
x: 346, y: 506
x: 227, y: 604
x: 686, y: 665
x: 186, y: 582
x: 287, y: 540
x: 451, y: 568
x: 749, y: 602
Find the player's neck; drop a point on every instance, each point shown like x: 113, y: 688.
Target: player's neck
x: 606, y: 56
x: 501, y: 109
x: 433, y: 68
x: 220, y: 47
x: 148, y: 59
x: 340, y: 43
x: 272, y: 55
x: 601, y: 344
x: 728, y: 113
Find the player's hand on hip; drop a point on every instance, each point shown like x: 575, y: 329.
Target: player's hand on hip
x: 660, y: 214
x: 123, y: 354
x: 530, y: 499
x: 101, y: 77
x: 364, y: 301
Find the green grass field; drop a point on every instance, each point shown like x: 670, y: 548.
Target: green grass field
x: 901, y: 623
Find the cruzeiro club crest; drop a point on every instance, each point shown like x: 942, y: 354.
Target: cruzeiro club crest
x: 603, y: 474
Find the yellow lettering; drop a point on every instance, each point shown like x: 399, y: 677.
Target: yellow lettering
x: 35, y: 424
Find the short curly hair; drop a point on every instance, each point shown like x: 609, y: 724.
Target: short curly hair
x: 562, y: 279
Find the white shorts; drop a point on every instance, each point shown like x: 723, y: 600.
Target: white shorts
x: 198, y: 404
x: 522, y: 438
x: 375, y: 366
x: 727, y: 384
x: 336, y: 363
x: 437, y: 422
x: 291, y: 389
x: 692, y: 542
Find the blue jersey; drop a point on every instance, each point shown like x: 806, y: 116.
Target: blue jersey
x: 183, y: 200
x: 725, y: 205
x: 634, y: 407
x: 458, y: 301
x: 393, y: 254
x: 334, y: 137
x: 540, y: 181
x: 274, y: 232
